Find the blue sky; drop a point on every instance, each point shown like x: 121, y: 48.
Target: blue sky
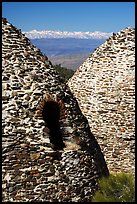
x: 70, y: 16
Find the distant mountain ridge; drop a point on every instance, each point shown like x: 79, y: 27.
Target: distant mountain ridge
x: 69, y: 49
x: 35, y: 34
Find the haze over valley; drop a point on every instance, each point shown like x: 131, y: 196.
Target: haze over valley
x: 69, y: 52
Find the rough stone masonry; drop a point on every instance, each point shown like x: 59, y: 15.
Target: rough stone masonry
x: 35, y: 165
x: 104, y: 86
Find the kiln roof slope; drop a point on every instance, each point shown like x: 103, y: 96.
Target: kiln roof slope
x: 104, y: 86
x: 32, y: 170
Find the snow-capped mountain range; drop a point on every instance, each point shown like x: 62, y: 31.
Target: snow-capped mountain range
x: 35, y: 34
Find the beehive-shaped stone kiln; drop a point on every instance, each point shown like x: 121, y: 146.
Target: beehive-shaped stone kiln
x: 48, y: 151
x: 104, y: 86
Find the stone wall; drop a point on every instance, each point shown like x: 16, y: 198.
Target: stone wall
x: 104, y: 86
x: 32, y: 170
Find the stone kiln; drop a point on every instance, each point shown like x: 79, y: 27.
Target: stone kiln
x: 46, y: 155
x: 104, y: 86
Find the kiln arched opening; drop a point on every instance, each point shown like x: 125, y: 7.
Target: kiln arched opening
x: 51, y: 115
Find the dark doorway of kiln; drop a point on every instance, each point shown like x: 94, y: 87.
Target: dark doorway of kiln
x: 51, y: 115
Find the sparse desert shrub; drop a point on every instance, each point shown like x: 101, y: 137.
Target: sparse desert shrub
x: 64, y: 72
x: 119, y: 187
